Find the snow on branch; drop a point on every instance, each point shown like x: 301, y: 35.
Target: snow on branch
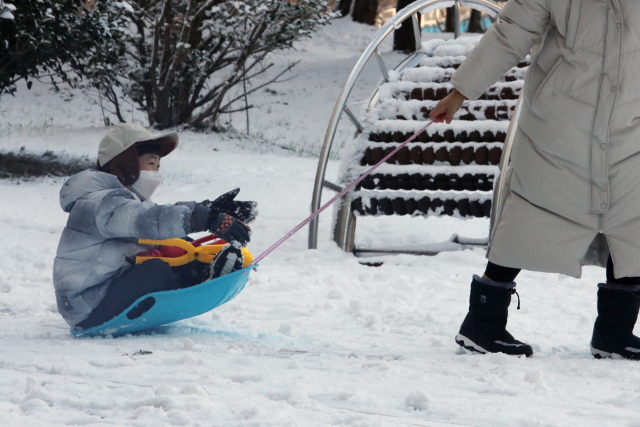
x: 53, y: 39
x: 183, y: 61
x: 6, y: 9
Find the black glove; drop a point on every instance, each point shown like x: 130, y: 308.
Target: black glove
x: 244, y: 211
x: 228, y: 228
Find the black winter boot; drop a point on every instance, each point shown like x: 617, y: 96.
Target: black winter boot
x: 228, y: 260
x: 483, y: 330
x: 618, y: 307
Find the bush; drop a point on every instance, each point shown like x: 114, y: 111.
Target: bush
x: 183, y: 61
x: 51, y: 39
x: 26, y: 165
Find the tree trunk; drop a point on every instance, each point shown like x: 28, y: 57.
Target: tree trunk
x: 450, y: 21
x: 474, y: 22
x: 344, y: 7
x: 365, y: 11
x: 403, y: 39
x: 160, y: 118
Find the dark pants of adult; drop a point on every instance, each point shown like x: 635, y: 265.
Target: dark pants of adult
x: 498, y: 273
x: 151, y: 276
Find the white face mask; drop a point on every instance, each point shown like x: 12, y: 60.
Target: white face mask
x: 147, y: 183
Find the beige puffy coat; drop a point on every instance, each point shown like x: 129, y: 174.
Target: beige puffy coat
x: 574, y: 177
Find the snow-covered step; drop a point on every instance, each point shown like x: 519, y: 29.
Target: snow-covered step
x: 456, y: 131
x: 449, y: 169
x: 455, y: 61
x: 392, y: 169
x: 442, y: 176
x: 420, y: 110
x: 430, y: 153
x: 445, y: 181
x: 457, y: 204
x: 458, y: 47
x: 441, y: 75
x: 437, y: 91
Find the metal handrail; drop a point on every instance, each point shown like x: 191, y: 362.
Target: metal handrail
x: 409, y: 12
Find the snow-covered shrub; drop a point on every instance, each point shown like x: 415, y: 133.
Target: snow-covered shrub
x: 188, y: 61
x: 6, y: 9
x: 52, y: 39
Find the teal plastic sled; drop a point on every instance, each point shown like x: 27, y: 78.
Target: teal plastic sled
x: 160, y: 308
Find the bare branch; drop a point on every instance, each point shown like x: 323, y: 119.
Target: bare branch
x: 237, y: 110
x: 156, y: 44
x: 198, y: 57
x: 177, y: 58
x: 207, y: 5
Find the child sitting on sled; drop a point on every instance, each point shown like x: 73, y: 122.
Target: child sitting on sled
x: 110, y: 208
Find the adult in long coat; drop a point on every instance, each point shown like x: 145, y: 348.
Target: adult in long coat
x: 572, y: 192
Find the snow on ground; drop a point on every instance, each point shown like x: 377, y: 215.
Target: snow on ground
x: 315, y: 339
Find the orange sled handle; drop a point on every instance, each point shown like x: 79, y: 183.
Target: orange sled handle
x: 205, y: 253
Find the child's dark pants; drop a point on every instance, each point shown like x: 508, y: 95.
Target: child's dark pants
x: 151, y: 276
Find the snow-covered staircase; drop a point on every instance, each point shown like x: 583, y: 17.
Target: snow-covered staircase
x: 448, y: 169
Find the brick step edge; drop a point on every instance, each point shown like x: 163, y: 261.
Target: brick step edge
x: 438, y: 182
x: 412, y: 110
x: 416, y: 155
x: 425, y: 206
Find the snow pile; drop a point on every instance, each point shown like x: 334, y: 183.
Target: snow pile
x: 418, y: 401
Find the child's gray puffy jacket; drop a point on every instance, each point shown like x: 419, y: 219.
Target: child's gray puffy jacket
x: 105, y: 222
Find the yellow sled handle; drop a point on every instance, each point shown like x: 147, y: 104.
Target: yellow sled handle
x: 204, y: 253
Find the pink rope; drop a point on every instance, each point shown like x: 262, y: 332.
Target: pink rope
x: 342, y: 193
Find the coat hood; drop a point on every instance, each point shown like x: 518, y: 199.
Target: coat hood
x: 84, y: 183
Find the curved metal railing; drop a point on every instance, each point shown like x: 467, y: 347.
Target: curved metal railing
x: 409, y: 12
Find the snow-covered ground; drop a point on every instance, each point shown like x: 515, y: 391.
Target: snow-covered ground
x: 315, y: 339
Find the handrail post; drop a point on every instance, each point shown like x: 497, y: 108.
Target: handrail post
x: 383, y: 66
x: 456, y: 20
x: 416, y: 31
x: 344, y: 231
x: 354, y: 119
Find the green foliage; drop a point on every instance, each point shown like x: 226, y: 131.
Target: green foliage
x: 50, y: 39
x: 23, y: 165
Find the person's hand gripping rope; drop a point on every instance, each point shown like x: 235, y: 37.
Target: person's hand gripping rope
x: 447, y: 107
